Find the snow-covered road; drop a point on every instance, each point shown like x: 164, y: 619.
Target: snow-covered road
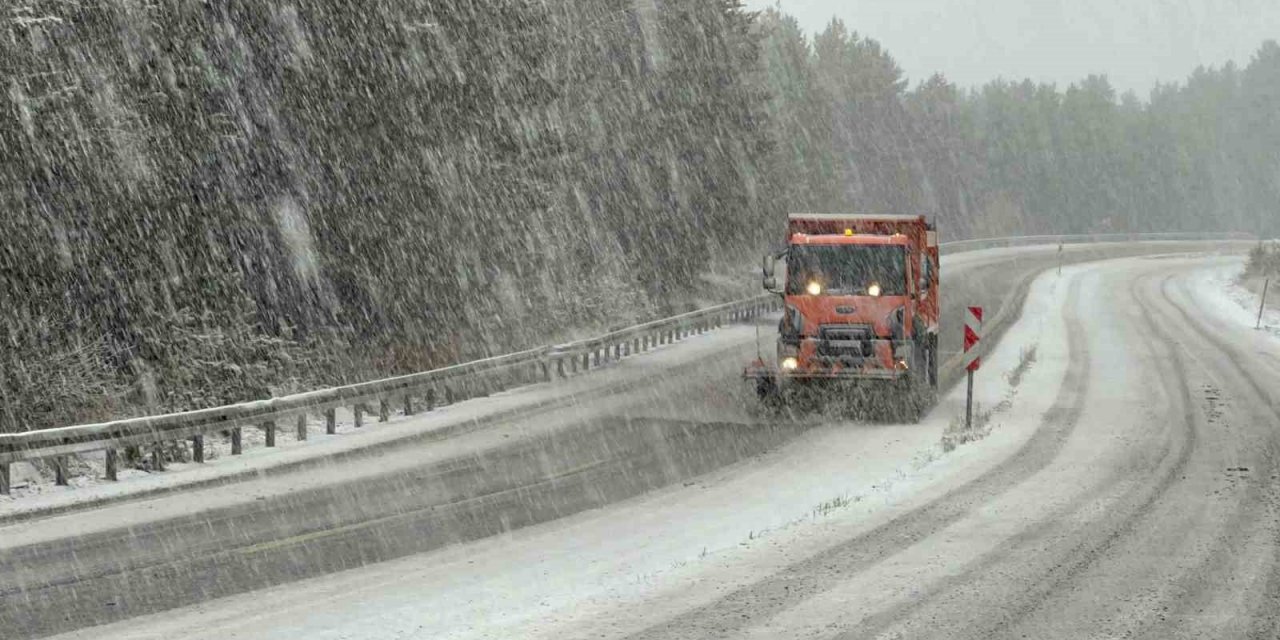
x: 1125, y: 484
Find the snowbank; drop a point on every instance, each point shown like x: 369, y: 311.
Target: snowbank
x: 1219, y: 286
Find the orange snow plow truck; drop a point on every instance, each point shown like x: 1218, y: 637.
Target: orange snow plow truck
x: 861, y: 308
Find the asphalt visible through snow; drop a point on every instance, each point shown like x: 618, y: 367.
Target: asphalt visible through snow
x: 1172, y: 530
x: 1130, y: 489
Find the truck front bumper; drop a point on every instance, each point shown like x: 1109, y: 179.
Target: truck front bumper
x: 883, y: 360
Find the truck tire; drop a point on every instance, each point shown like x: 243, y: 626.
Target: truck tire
x: 922, y: 380
x: 766, y: 389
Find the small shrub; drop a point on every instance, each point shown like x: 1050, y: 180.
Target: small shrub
x: 1025, y: 361
x: 1264, y: 261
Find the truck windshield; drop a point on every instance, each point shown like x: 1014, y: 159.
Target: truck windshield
x: 847, y: 269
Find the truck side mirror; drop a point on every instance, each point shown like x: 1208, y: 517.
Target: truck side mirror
x: 770, y: 283
x: 768, y: 266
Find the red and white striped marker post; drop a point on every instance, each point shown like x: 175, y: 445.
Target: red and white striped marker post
x: 972, y: 358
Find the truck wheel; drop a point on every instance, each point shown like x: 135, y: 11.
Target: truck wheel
x: 922, y: 388
x: 909, y: 402
x: 769, y: 394
x: 766, y: 389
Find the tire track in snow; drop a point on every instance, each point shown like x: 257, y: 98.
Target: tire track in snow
x: 1256, y: 519
x: 729, y: 615
x: 1006, y: 586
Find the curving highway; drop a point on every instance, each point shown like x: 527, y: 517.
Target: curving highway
x: 1125, y: 485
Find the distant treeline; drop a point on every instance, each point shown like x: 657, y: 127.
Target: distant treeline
x: 1012, y: 157
x: 208, y: 202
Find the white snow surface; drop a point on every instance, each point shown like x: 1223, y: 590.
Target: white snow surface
x: 1220, y: 286
x: 37, y: 497
x: 32, y: 495
x: 672, y: 549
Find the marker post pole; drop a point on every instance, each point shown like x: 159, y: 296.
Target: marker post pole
x: 973, y: 361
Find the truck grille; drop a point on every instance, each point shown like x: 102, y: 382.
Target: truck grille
x: 844, y: 341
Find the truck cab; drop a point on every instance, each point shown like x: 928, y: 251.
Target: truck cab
x: 860, y: 297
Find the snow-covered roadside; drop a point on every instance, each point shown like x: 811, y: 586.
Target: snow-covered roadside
x: 1219, y: 285
x: 34, y: 496
x: 44, y: 497
x: 678, y: 547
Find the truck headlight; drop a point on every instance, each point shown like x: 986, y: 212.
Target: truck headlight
x: 790, y: 364
x: 874, y: 290
x: 814, y: 288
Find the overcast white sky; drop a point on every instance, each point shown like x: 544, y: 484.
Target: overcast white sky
x: 1135, y: 42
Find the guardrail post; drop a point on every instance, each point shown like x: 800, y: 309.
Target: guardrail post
x: 330, y: 421
x: 237, y: 444
x: 586, y: 362
x: 408, y: 404
x: 544, y: 367
x: 60, y: 471
x: 5, y: 479
x: 431, y: 399
x: 157, y: 456
x: 269, y: 427
x: 358, y: 412
x: 384, y: 410
x: 197, y: 449
x: 448, y: 394
x: 113, y: 465
x: 301, y: 424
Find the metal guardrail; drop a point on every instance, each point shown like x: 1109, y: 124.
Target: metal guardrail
x: 418, y: 391
x: 427, y: 389
x: 959, y: 246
